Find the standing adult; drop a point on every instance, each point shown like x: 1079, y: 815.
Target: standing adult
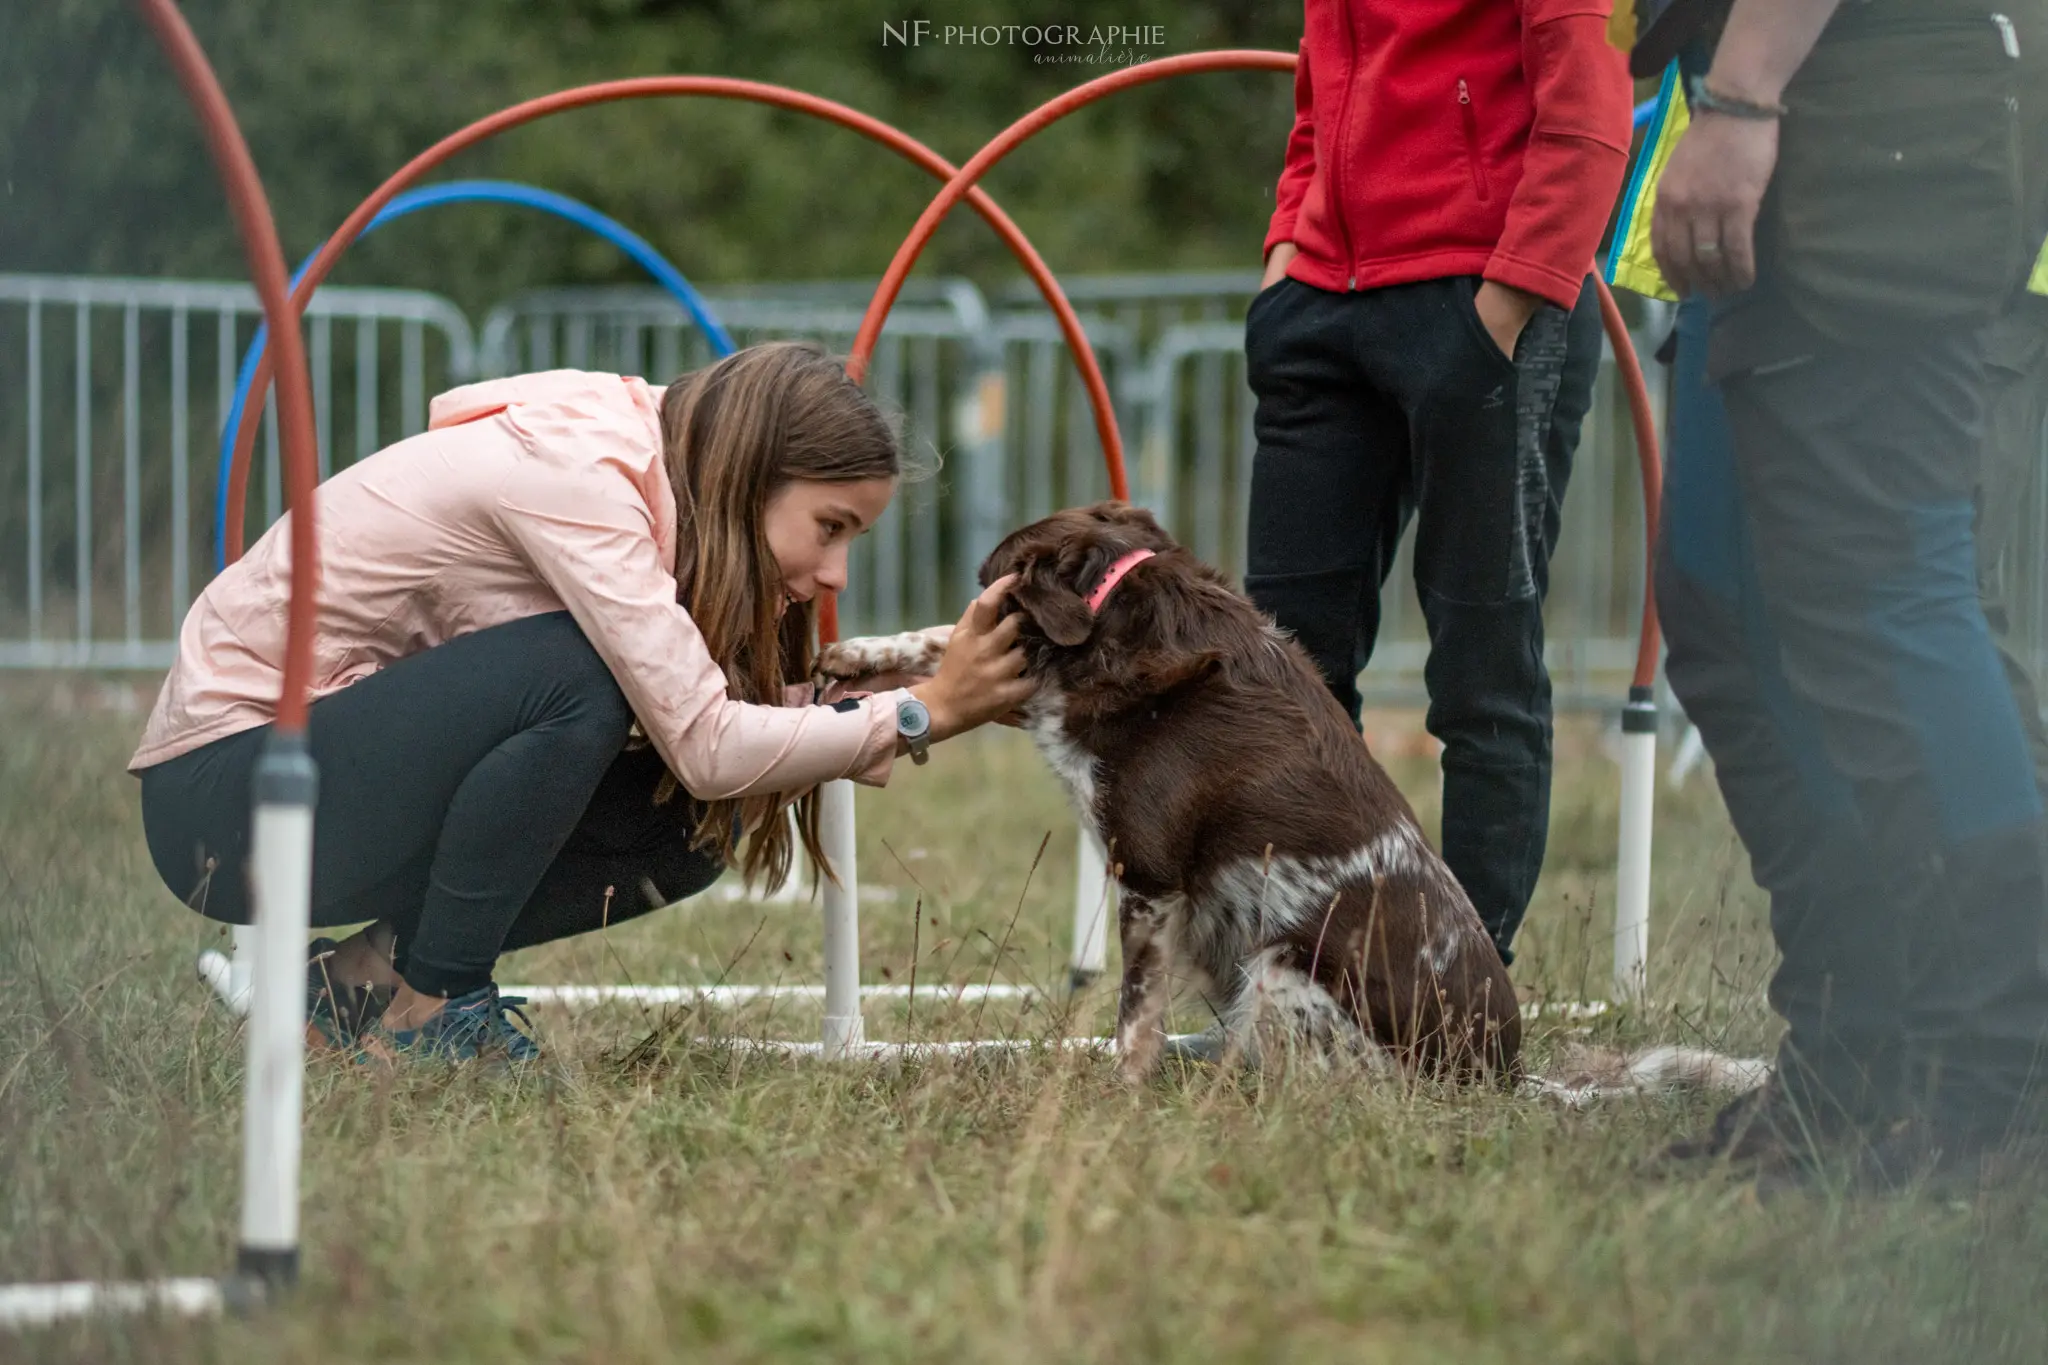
x: 1853, y: 193
x: 1425, y: 348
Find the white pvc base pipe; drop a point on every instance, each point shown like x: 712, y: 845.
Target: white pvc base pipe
x: 843, y: 1028
x: 228, y: 974
x: 1692, y: 750
x: 43, y: 1305
x: 1094, y: 897
x: 585, y: 997
x: 575, y: 997
x: 1564, y: 1009
x: 1185, y: 1044
x: 1632, y: 867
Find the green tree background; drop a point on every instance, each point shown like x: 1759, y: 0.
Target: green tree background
x: 102, y: 169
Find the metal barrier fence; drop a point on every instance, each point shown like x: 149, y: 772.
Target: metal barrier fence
x: 105, y: 369
x: 115, y: 373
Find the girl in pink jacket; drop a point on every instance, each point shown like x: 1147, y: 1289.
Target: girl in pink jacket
x: 501, y: 597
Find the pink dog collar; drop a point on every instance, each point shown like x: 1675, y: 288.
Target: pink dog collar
x: 1115, y: 576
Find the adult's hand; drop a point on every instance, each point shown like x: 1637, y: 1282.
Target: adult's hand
x: 1703, y: 230
x: 1276, y: 263
x: 982, y: 676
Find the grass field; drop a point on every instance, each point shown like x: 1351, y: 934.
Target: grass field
x: 651, y: 1198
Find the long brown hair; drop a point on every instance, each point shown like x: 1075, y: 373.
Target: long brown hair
x: 734, y: 434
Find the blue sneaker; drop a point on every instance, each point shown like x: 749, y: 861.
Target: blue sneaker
x: 336, y: 1015
x: 468, y: 1027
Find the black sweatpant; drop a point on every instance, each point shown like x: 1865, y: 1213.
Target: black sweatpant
x: 477, y: 795
x: 1393, y: 403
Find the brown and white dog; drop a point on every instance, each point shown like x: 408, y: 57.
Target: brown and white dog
x: 1259, y: 850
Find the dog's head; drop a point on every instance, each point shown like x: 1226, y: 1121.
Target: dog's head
x: 1060, y: 560
x: 1168, y: 620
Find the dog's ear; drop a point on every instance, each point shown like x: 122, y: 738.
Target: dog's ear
x: 1053, y: 604
x: 1155, y: 672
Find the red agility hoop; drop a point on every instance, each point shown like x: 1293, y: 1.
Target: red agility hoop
x: 281, y: 828
x: 265, y: 257
x: 1639, y: 715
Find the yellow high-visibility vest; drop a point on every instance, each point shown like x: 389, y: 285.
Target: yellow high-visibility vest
x: 1621, y: 27
x: 1632, y: 265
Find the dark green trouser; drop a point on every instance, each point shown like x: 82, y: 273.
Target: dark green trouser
x: 1845, y: 967
x: 1909, y: 192
x: 1820, y: 580
x: 2011, y: 538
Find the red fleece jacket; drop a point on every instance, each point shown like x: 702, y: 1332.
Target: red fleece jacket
x: 1453, y: 137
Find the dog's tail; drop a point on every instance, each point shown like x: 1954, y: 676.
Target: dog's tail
x: 1586, y: 1074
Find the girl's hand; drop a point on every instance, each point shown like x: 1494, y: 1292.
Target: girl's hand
x: 982, y: 676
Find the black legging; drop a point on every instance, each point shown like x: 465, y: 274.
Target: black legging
x: 477, y: 795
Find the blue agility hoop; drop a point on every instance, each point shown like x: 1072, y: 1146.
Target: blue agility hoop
x: 471, y: 192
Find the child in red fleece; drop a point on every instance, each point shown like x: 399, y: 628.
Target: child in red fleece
x: 1425, y: 345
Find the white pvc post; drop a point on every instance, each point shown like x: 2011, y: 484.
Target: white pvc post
x: 843, y: 1028
x: 1091, y: 911
x: 1632, y: 867
x: 282, y: 883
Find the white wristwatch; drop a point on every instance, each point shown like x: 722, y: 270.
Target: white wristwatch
x: 914, y: 724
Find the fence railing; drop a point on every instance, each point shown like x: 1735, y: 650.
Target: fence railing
x: 112, y: 392
x: 112, y: 396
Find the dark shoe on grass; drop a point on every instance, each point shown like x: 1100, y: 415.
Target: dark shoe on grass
x: 1944, y: 1159
x: 336, y: 1015
x: 1758, y: 1132
x: 469, y: 1027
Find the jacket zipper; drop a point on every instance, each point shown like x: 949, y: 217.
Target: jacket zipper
x: 1471, y: 120
x: 1337, y: 168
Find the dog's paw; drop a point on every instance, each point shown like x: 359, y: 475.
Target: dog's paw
x: 912, y: 654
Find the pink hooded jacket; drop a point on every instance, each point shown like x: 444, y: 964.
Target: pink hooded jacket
x: 524, y: 495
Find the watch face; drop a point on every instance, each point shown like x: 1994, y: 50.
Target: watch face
x: 912, y: 719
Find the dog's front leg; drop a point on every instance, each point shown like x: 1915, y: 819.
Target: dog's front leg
x: 1146, y: 927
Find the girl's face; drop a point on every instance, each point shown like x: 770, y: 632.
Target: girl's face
x: 811, y: 525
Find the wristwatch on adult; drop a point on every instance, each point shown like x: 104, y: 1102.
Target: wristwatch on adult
x: 914, y: 724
